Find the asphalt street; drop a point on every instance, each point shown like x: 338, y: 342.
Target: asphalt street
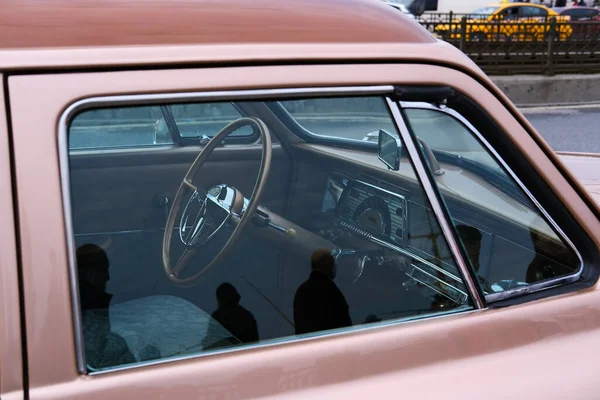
x: 568, y: 128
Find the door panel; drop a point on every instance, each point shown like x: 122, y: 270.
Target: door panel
x: 124, y: 188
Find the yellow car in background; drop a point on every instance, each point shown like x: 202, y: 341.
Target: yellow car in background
x: 508, y: 22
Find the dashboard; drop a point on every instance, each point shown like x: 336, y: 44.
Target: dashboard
x: 371, y: 208
x: 395, y: 220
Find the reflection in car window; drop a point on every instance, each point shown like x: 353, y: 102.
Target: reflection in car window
x: 335, y: 246
x: 354, y: 119
x: 206, y: 119
x: 454, y: 139
x: 507, y: 239
x: 144, y: 126
x: 116, y: 127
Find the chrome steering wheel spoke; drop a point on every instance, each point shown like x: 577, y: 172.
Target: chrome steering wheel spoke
x: 205, y: 215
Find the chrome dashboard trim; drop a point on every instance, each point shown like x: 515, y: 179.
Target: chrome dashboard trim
x: 143, y: 99
x: 390, y: 246
x: 435, y: 203
x: 493, y: 297
x: 357, y: 183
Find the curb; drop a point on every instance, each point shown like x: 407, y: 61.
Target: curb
x: 544, y: 91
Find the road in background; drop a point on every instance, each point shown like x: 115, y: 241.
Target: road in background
x: 573, y: 128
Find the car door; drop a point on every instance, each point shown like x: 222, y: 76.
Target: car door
x: 491, y: 339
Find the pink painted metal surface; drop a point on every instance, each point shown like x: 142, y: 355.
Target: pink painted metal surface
x: 63, y: 23
x: 11, y: 363
x: 586, y: 167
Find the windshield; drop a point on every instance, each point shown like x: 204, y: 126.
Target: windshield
x: 481, y: 12
x: 456, y: 138
x: 350, y: 119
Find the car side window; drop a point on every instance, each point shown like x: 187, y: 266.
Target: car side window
x: 580, y: 14
x: 177, y: 257
x: 147, y: 126
x: 527, y: 12
x: 509, y: 241
x: 510, y: 13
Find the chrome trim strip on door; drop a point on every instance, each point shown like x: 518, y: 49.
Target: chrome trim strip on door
x: 63, y: 156
x: 525, y: 289
x: 63, y: 153
x: 264, y: 94
x: 435, y: 203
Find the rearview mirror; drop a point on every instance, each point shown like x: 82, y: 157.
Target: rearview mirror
x: 389, y: 149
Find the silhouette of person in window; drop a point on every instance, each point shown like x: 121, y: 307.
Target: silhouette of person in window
x: 235, y: 318
x: 319, y: 304
x: 103, y: 348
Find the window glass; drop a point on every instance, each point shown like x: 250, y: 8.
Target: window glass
x: 117, y: 127
x: 341, y: 243
x: 510, y: 13
x: 507, y: 239
x: 580, y: 14
x: 206, y: 119
x: 533, y: 12
x: 146, y: 125
x: 355, y: 119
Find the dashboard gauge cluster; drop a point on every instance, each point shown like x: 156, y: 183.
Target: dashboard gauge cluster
x: 373, y: 209
x: 380, y: 215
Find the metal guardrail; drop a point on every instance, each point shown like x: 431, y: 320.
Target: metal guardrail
x: 502, y: 47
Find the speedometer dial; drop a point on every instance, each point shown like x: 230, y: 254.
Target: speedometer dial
x: 373, y: 215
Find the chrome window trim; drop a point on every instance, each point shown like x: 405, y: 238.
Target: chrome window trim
x: 435, y: 203
x: 292, y: 339
x: 167, y: 98
x: 493, y: 297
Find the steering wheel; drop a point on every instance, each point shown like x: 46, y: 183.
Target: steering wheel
x: 207, y: 212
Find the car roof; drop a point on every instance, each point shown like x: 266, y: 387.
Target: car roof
x: 504, y: 5
x: 27, y: 24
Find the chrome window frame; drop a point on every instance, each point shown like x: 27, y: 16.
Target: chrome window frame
x: 168, y: 98
x: 536, y: 287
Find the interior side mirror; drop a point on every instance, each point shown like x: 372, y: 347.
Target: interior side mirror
x: 389, y: 149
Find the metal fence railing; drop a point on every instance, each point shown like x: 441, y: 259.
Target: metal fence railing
x: 546, y: 45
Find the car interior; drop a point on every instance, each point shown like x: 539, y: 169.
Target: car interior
x: 243, y: 192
